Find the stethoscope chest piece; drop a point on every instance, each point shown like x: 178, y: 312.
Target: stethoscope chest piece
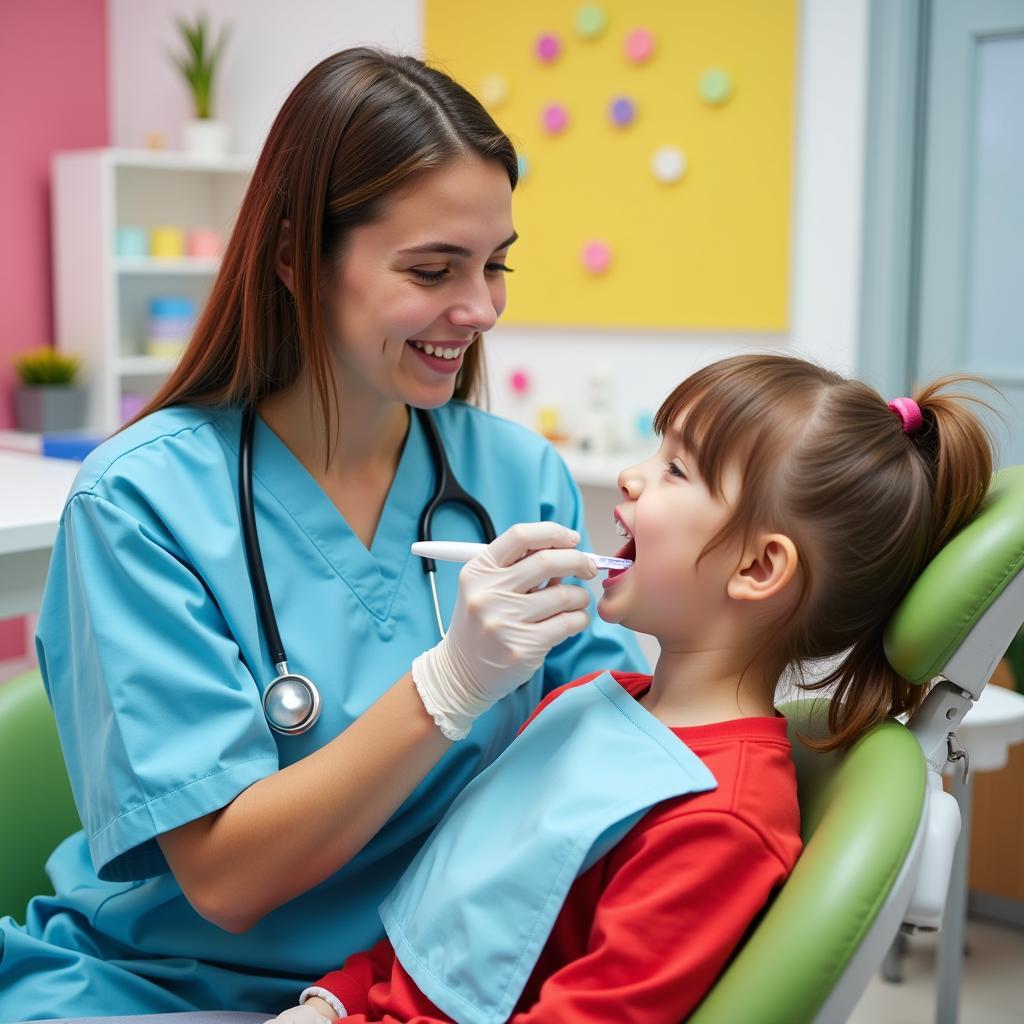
x: 291, y: 703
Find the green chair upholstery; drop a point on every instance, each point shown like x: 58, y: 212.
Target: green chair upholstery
x: 36, y: 806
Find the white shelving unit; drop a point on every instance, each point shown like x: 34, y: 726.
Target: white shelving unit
x: 101, y: 301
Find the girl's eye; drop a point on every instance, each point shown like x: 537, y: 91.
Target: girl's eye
x: 499, y: 268
x: 674, y: 470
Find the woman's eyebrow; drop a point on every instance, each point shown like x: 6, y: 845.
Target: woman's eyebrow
x: 451, y: 249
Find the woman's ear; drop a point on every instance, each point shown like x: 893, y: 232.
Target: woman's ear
x: 283, y: 257
x: 765, y: 569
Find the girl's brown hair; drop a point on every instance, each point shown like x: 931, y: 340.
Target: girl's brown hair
x: 825, y: 461
x: 359, y: 124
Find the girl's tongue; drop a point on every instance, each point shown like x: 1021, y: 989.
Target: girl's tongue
x: 628, y: 550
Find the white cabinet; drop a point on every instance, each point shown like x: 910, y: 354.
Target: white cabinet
x: 101, y: 301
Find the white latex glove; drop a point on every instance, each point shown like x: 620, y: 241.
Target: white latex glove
x: 503, y: 626
x: 304, y: 1014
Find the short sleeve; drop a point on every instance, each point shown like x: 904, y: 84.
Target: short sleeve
x: 159, y: 719
x: 603, y: 645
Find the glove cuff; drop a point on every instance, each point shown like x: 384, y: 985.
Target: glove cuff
x: 449, y: 701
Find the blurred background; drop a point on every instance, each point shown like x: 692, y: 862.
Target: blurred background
x: 840, y: 179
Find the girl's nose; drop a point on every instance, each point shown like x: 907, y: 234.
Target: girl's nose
x: 631, y: 483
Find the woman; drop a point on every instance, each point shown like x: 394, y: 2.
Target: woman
x: 222, y: 861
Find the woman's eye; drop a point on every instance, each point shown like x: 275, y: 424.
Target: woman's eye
x: 674, y: 470
x: 430, y: 275
x: 499, y: 268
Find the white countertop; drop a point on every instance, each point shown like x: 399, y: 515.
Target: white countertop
x: 33, y: 490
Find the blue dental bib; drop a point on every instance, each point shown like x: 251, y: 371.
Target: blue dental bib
x: 470, y: 916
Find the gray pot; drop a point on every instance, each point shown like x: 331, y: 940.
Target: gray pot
x: 49, y: 407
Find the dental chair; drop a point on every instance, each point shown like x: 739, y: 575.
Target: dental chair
x: 879, y: 830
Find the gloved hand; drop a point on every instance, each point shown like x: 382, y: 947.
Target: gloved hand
x: 503, y: 626
x: 304, y: 1014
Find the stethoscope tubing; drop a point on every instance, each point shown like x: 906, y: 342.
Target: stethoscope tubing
x: 291, y: 702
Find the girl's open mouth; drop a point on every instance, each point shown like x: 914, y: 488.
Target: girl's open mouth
x: 628, y: 550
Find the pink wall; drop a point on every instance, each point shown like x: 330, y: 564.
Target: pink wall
x: 53, y: 95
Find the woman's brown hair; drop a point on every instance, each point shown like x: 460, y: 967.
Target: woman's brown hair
x: 825, y: 461
x: 359, y: 124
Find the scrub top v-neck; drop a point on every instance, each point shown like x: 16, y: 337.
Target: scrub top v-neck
x: 151, y: 652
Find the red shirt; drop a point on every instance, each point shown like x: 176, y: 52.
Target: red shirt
x: 646, y: 930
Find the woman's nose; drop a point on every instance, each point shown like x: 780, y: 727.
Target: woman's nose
x: 475, y: 308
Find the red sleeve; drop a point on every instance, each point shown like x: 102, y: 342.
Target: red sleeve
x: 679, y: 898
x: 361, y: 972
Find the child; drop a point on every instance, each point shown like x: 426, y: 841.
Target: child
x: 785, y: 515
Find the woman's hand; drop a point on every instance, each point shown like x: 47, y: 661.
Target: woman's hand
x: 505, y: 622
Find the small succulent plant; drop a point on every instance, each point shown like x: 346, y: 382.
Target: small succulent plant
x: 46, y: 366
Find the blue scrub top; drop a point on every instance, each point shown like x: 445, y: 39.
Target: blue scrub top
x: 151, y: 652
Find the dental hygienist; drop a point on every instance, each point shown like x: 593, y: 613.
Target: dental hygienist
x: 237, y: 842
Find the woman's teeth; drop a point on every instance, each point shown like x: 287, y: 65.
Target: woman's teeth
x: 621, y: 530
x: 437, y: 350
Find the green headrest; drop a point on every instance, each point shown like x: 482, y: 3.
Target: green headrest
x: 960, y: 583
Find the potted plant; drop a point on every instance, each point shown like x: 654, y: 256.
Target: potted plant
x: 204, y: 135
x: 48, y: 398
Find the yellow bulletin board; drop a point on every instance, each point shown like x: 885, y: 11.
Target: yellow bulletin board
x: 603, y: 241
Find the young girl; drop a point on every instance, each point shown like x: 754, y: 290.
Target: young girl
x: 785, y: 515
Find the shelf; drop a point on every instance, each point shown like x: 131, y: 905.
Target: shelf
x: 176, y: 160
x: 154, y: 266
x: 143, y: 366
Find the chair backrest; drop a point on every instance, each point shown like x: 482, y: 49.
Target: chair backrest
x: 36, y: 806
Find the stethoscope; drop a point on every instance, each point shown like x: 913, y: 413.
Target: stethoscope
x: 292, y: 702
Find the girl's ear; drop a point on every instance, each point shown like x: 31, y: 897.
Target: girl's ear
x: 283, y: 257
x: 765, y: 569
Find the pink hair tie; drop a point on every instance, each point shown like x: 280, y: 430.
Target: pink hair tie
x: 909, y: 413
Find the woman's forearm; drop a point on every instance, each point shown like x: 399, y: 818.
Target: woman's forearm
x: 291, y: 830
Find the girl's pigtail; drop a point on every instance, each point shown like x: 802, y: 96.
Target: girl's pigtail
x: 958, y: 448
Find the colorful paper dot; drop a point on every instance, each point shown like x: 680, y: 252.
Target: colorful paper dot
x: 622, y: 111
x: 493, y: 91
x: 523, y: 164
x: 555, y: 118
x: 644, y: 424
x: 548, y: 47
x: 639, y: 46
x: 591, y: 21
x: 519, y: 381
x: 668, y: 164
x: 596, y: 256
x: 715, y: 86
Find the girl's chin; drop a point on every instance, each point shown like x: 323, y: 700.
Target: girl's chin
x: 611, y: 611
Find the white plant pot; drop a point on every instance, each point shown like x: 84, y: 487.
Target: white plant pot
x: 206, y: 137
